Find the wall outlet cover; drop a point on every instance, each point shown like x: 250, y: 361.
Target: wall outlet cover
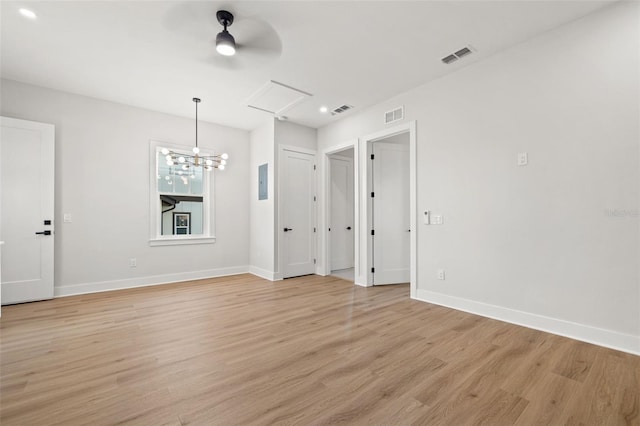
x: 523, y: 159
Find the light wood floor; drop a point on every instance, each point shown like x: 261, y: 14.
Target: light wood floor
x: 310, y: 350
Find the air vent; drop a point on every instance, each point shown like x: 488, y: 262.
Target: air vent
x: 394, y: 115
x: 341, y: 109
x: 457, y: 55
x: 449, y: 59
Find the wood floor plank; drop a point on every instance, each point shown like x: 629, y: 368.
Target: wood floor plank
x: 308, y: 350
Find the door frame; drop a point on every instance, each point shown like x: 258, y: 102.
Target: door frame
x: 328, y: 205
x: 279, y: 237
x: 366, y: 211
x: 324, y: 268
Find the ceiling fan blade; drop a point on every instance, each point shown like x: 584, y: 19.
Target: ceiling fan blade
x: 192, y: 19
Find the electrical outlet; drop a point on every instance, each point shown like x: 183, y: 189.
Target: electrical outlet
x: 437, y: 219
x: 523, y: 159
x: 66, y: 218
x: 441, y: 274
x: 133, y: 262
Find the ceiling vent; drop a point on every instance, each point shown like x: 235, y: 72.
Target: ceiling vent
x: 341, y: 109
x: 467, y: 50
x: 394, y: 115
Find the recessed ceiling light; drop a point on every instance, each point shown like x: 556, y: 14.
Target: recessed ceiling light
x: 28, y: 13
x: 324, y: 109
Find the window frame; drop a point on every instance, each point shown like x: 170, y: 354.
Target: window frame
x: 155, y: 222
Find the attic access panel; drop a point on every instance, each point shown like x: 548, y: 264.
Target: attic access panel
x: 276, y: 98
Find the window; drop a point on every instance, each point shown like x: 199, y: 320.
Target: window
x: 181, y: 201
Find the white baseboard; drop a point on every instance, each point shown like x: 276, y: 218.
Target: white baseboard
x: 97, y: 287
x: 597, y: 336
x: 263, y: 273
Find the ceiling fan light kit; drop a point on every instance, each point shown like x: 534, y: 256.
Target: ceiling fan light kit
x: 225, y: 43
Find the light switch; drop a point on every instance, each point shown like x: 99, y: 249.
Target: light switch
x: 523, y: 159
x: 437, y: 219
x: 427, y: 217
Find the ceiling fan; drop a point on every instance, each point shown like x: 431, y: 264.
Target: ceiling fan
x: 225, y: 43
x: 254, y: 42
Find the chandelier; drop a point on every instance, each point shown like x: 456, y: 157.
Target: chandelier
x: 188, y: 163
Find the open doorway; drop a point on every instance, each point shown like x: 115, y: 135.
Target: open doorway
x: 341, y: 218
x: 389, y: 217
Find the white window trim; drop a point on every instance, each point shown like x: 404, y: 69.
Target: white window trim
x: 155, y: 234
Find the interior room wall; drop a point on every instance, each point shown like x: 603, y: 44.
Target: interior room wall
x: 292, y: 134
x: 262, y: 224
x: 554, y: 244
x: 102, y: 174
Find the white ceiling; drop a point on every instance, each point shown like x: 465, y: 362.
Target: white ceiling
x: 158, y: 55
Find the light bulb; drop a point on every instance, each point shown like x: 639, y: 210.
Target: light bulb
x: 192, y: 176
x: 185, y: 167
x: 168, y: 157
x: 225, y: 156
x: 221, y: 166
x: 169, y: 183
x: 180, y: 159
x: 208, y: 162
x: 223, y: 162
x: 164, y: 151
x: 179, y: 172
x: 196, y: 150
x: 167, y: 177
x: 169, y: 163
x: 28, y: 13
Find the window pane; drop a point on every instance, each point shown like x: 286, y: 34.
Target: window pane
x: 178, y: 179
x: 196, y: 181
x: 181, y: 215
x: 165, y: 176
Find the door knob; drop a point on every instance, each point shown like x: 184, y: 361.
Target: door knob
x: 43, y: 233
x: 348, y: 228
x: 288, y: 229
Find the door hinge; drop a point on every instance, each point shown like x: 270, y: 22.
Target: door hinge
x: 314, y: 198
x: 373, y: 194
x: 314, y: 229
x: 373, y: 232
x: 314, y: 167
x: 373, y: 270
x: 314, y: 261
x: 372, y: 156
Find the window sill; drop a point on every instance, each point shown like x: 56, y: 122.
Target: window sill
x: 173, y: 241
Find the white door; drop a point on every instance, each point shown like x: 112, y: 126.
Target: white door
x: 391, y: 240
x: 341, y: 205
x: 26, y: 202
x: 298, y: 213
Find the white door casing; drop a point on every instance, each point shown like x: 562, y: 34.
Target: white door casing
x: 341, y: 210
x: 391, y: 219
x: 27, y: 169
x: 298, y: 214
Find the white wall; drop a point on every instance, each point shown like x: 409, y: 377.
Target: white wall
x: 292, y: 134
x: 262, y: 224
x: 536, y: 245
x: 102, y: 170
